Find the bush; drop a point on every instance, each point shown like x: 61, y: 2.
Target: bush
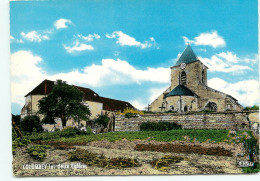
x: 31, y: 123
x: 19, y: 142
x: 102, y: 120
x: 251, y: 147
x: 38, y: 152
x: 254, y: 169
x: 93, y: 159
x: 130, y: 112
x: 129, y: 115
x: 89, y: 131
x: 67, y: 132
x: 163, y: 163
x: 70, y: 132
x: 158, y: 126
x: 252, y: 108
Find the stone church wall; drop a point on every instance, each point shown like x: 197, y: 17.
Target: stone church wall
x: 219, y: 120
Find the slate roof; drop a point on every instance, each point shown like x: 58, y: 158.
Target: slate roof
x: 45, y: 88
x: 187, y: 56
x: 181, y: 90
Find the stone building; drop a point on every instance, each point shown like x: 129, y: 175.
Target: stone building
x: 189, y: 90
x: 97, y: 104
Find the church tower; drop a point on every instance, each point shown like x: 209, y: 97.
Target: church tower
x: 189, y: 90
x: 188, y: 70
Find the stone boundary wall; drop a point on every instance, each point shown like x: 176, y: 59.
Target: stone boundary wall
x: 245, y: 120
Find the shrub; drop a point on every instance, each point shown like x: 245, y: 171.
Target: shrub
x: 31, y: 123
x: 38, y: 152
x: 93, y: 159
x: 89, y: 131
x: 102, y: 120
x: 129, y: 115
x: 67, y: 132
x: 254, y: 169
x: 158, y: 126
x: 164, y: 162
x: 252, y: 108
x: 70, y: 132
x: 19, y: 142
x: 130, y: 112
x: 251, y: 147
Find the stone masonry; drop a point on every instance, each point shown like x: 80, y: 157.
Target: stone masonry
x: 219, y: 120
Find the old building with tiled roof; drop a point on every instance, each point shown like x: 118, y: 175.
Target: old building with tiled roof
x: 96, y: 103
x: 189, y: 90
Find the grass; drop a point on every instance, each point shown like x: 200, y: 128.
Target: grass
x: 214, y: 136
x: 255, y: 169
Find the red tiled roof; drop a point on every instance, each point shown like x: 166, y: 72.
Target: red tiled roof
x: 45, y: 88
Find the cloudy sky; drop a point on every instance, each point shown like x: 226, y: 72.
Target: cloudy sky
x: 123, y: 49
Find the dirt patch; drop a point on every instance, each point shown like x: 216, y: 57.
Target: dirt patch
x: 125, y: 144
x: 192, y: 163
x: 177, y: 148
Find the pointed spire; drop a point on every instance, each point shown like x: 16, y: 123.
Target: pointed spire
x: 187, y: 56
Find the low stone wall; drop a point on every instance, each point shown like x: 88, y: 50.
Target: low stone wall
x: 245, y: 120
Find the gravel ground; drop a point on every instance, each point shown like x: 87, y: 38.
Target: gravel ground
x: 192, y: 163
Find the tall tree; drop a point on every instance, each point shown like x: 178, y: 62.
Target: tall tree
x: 64, y: 102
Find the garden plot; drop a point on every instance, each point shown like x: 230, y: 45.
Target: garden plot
x: 188, y: 164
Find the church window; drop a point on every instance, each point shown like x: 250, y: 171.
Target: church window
x: 185, y: 108
x: 182, y: 78
x: 203, y: 76
x: 211, y: 106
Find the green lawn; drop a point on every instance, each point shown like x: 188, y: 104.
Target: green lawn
x: 167, y: 136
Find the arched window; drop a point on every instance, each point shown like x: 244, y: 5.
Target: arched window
x: 211, y: 106
x: 182, y: 78
x: 185, y: 108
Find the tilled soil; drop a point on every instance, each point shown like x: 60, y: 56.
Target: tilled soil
x: 191, y: 164
x: 178, y: 148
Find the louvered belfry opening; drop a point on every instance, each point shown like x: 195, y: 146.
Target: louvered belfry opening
x: 183, y: 78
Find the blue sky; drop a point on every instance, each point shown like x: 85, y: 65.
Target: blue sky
x: 123, y: 49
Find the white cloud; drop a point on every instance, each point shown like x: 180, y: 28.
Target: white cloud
x: 62, y: 23
x: 12, y: 39
x: 246, y: 92
x: 229, y: 56
x: 156, y: 92
x: 34, y: 36
x: 26, y: 74
x: 126, y: 40
x: 209, y: 39
x: 90, y: 37
x: 138, y: 104
x: 78, y: 47
x: 225, y: 62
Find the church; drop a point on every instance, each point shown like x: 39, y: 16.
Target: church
x: 189, y: 91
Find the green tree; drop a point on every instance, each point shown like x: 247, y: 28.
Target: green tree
x: 31, y: 123
x: 64, y: 102
x: 102, y: 120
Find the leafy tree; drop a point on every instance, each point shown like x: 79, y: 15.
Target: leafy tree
x: 102, y: 120
x: 31, y: 123
x: 252, y: 108
x: 16, y: 119
x: 64, y: 102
